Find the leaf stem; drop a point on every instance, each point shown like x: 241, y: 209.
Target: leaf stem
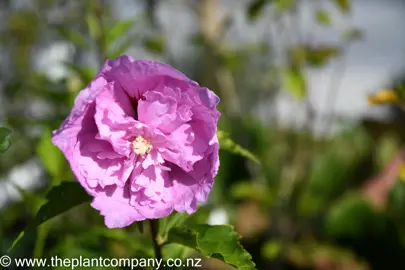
x: 154, y: 229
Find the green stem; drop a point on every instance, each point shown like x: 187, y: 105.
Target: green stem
x: 154, y: 229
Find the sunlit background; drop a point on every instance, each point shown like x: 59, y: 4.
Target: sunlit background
x: 293, y: 77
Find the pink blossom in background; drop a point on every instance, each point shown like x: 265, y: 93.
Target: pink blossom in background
x: 141, y: 139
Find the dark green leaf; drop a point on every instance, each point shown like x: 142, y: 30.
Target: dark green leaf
x: 226, y: 143
x: 350, y: 217
x: 219, y: 241
x: 74, y: 36
x: 139, y: 225
x: 5, y: 141
x: 255, y: 8
x: 117, y: 30
x: 59, y: 200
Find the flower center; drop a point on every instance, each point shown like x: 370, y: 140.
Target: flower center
x: 141, y: 146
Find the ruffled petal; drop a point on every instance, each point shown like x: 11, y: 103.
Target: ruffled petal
x: 93, y: 171
x: 139, y: 76
x: 113, y: 204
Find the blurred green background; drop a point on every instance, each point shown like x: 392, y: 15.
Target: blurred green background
x: 327, y: 193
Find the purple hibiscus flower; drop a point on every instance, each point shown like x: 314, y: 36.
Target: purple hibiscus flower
x: 141, y: 139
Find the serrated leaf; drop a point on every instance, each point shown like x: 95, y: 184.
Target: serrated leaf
x: 74, y: 36
x: 323, y: 17
x: 51, y: 157
x: 5, y: 140
x: 227, y: 144
x: 218, y: 241
x: 117, y: 30
x: 295, y: 82
x: 59, y: 200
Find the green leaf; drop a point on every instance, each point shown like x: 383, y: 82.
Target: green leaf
x: 59, y: 200
x: 343, y: 5
x: 295, y: 82
x: 323, y: 17
x: 117, y: 30
x: 155, y: 44
x: 113, y: 53
x: 219, y: 241
x: 255, y: 8
x: 173, y: 220
x: 74, y: 36
x: 226, y: 143
x: 5, y: 140
x: 51, y: 157
x: 93, y: 26
x: 319, y: 56
x: 350, y: 216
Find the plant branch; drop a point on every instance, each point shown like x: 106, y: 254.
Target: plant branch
x: 154, y: 229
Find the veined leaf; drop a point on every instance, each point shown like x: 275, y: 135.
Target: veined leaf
x: 219, y: 241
